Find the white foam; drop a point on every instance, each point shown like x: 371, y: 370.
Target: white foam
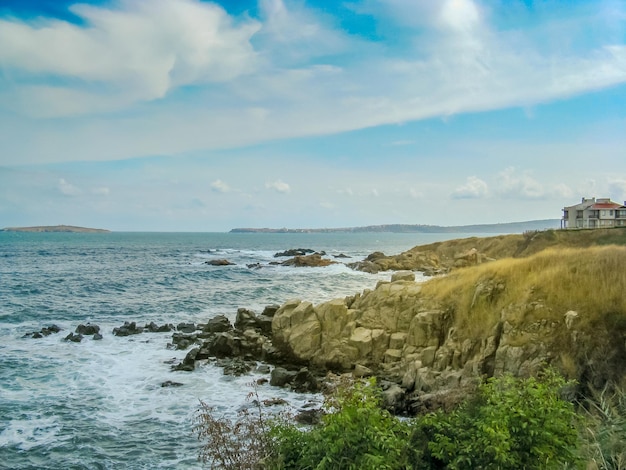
x: 32, y: 432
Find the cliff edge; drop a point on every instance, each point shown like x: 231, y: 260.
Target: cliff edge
x: 561, y: 307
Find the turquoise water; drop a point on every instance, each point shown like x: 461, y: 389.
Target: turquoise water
x: 99, y: 404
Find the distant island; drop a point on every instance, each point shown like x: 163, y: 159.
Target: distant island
x: 55, y: 228
x: 511, y: 227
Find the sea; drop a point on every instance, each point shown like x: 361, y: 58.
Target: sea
x: 100, y: 404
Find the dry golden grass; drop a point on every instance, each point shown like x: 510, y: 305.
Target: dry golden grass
x: 530, y: 243
x: 590, y: 281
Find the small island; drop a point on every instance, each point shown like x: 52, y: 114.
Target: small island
x: 55, y: 228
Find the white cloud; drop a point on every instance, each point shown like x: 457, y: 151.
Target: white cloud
x: 564, y: 191
x: 346, y: 191
x: 473, y: 188
x: 220, y: 187
x: 415, y: 194
x: 521, y: 185
x: 278, y: 186
x: 68, y: 189
x: 101, y: 191
x: 137, y: 51
x: 173, y: 69
x: 617, y: 189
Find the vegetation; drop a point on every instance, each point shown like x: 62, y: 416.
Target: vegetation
x: 510, y: 423
x: 551, y: 282
x: 604, y: 429
x: 527, y: 244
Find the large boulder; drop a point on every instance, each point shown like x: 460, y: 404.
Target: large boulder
x: 310, y: 261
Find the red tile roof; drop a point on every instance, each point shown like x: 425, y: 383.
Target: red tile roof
x: 607, y: 205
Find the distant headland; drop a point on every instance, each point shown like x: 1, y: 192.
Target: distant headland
x: 55, y: 228
x: 511, y: 227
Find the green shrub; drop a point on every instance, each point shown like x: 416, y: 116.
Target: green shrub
x: 356, y: 433
x: 511, y: 423
x: 604, y: 429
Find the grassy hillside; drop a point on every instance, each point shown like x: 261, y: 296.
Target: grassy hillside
x: 529, y: 243
x: 529, y: 298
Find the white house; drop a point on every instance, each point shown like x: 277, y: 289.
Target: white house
x: 594, y: 213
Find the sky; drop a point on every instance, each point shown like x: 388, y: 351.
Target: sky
x: 190, y: 115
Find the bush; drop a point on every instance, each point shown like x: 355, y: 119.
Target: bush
x: 511, y: 423
x: 605, y: 429
x: 240, y: 445
x: 356, y: 433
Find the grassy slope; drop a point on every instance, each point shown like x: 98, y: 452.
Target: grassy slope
x: 516, y: 245
x: 532, y: 295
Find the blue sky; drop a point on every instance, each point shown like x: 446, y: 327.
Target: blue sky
x: 188, y: 115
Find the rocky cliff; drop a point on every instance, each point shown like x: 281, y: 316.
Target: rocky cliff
x: 563, y: 307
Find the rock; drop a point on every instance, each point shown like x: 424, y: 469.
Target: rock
x: 186, y: 327
x: 263, y: 369
x: 218, y: 324
x: 393, y: 399
x: 254, y: 266
x: 365, y: 266
x: 309, y: 417
x: 235, y: 366
x: 183, y: 341
x: 341, y: 255
x: 305, y: 382
x: 281, y: 377
x: 270, y: 310
x: 362, y: 371
x: 310, y: 261
x: 169, y: 383
x: 294, y: 252
x: 403, y: 276
x: 470, y: 257
x: 74, y: 338
x: 189, y: 362
x: 45, y: 331
x: 97, y: 337
x: 570, y: 317
x: 127, y: 329
x: 87, y: 330
x: 245, y: 319
x: 154, y: 328
x: 274, y: 402
x: 224, y: 344
x: 219, y: 262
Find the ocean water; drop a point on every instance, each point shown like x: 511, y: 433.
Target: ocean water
x: 100, y: 404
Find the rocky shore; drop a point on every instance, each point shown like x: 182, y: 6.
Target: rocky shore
x: 428, y: 343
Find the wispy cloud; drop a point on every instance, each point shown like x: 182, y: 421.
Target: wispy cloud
x: 278, y: 186
x: 175, y: 68
x: 473, y: 188
x: 220, y: 187
x: 515, y: 184
x: 68, y: 189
